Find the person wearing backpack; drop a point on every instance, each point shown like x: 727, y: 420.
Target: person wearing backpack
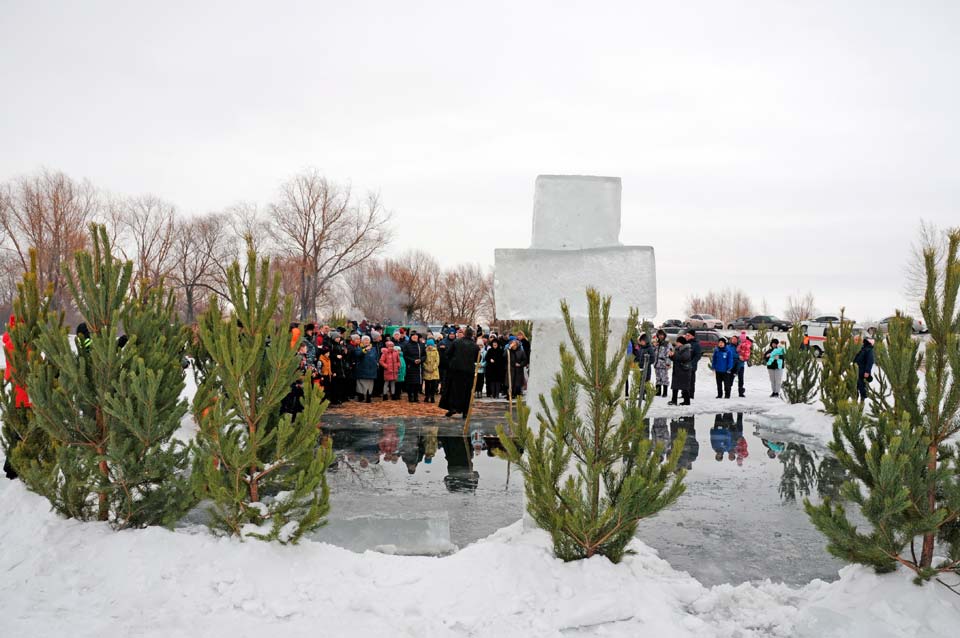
x: 774, y: 358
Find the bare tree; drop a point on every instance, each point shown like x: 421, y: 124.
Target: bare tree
x: 145, y: 228
x: 373, y: 293
x: 929, y: 238
x: 199, y: 250
x: 800, y: 307
x: 47, y: 211
x: 318, y: 222
x: 726, y: 304
x: 463, y: 293
x: 415, y: 274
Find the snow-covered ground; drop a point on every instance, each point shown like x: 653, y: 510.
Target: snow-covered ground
x: 62, y: 577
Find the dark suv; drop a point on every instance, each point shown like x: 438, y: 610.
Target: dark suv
x: 768, y: 321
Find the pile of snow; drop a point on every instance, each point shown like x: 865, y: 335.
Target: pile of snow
x: 63, y: 577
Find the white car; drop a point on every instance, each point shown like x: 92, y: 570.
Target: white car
x: 823, y: 321
x: 703, y: 321
x: 883, y: 326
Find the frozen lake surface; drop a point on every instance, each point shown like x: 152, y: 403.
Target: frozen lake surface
x: 740, y: 519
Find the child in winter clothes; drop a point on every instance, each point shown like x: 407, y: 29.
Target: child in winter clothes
x: 431, y: 372
x: 390, y: 362
x: 724, y: 358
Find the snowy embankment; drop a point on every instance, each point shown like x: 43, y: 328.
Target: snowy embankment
x: 82, y: 579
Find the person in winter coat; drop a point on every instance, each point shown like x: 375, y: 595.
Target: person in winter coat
x: 444, y: 349
x: 455, y: 392
x: 645, y: 356
x: 662, y: 361
x: 20, y: 397
x: 864, y: 361
x: 294, y: 336
x: 723, y: 363
x: 478, y: 384
x: 738, y: 365
x: 365, y: 358
x: 518, y: 361
x: 338, y: 369
x: 696, y: 353
x: 774, y: 360
x: 494, y: 368
x: 683, y: 371
x: 390, y: 362
x: 431, y: 372
x: 413, y: 355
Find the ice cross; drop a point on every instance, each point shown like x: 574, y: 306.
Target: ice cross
x: 576, y: 231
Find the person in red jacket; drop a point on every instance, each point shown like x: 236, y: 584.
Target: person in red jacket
x: 20, y: 397
x: 390, y: 362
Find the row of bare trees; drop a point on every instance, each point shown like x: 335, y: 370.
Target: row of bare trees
x: 414, y: 287
x: 325, y: 241
x: 730, y: 303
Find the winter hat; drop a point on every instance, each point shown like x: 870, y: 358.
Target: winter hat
x: 431, y: 342
x: 722, y: 340
x: 389, y: 343
x: 374, y: 335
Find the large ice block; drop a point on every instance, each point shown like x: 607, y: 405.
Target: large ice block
x: 529, y: 284
x: 420, y: 534
x: 572, y: 212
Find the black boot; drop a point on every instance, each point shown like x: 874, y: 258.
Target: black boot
x: 385, y: 397
x: 673, y: 400
x: 368, y: 397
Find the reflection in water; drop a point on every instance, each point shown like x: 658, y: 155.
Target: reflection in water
x: 803, y: 470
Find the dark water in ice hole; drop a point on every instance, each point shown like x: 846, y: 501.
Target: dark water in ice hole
x: 741, y: 518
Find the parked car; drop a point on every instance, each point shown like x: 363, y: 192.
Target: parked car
x: 740, y: 323
x: 673, y: 331
x: 883, y: 326
x: 708, y: 339
x: 671, y: 323
x: 769, y: 322
x: 824, y: 321
x: 817, y: 338
x: 703, y: 320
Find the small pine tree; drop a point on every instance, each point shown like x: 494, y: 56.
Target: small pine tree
x: 801, y: 369
x: 760, y: 341
x: 27, y: 448
x: 838, y: 377
x: 111, y: 408
x: 588, y: 478
x: 907, y: 475
x: 263, y: 470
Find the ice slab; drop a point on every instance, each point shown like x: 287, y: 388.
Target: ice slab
x: 420, y: 534
x: 572, y: 212
x: 529, y: 283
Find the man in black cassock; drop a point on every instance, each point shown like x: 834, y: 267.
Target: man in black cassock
x: 462, y: 356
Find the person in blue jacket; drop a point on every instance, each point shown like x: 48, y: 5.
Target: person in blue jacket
x: 864, y: 361
x: 367, y: 360
x: 723, y: 364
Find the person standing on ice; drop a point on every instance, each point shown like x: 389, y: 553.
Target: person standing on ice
x: 774, y: 358
x: 455, y: 393
x: 696, y: 353
x: 742, y: 346
x: 864, y: 361
x: 661, y: 362
x: 683, y: 371
x: 723, y: 363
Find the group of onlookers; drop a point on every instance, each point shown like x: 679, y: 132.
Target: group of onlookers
x: 367, y: 361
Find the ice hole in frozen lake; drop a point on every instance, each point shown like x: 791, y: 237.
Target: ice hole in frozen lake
x: 419, y: 486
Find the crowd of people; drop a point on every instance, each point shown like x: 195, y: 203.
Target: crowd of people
x: 367, y: 362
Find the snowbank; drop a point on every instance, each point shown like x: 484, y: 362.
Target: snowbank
x: 82, y: 579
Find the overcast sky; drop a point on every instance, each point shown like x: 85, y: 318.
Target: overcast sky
x: 775, y: 146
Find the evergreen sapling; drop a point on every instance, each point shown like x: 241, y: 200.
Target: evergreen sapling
x: 802, y: 372
x: 112, y: 408
x: 263, y: 471
x: 838, y: 376
x: 590, y: 476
